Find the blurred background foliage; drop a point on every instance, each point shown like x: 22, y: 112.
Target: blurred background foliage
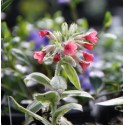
x: 21, y: 21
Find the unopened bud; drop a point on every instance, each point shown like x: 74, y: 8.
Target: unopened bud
x: 56, y: 57
x: 52, y: 36
x: 73, y: 28
x: 58, y: 36
x: 64, y: 28
x: 47, y: 33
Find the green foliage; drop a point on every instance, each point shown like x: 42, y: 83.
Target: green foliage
x: 5, y: 33
x: 5, y: 4
x: 30, y: 113
x: 51, y: 97
x: 64, y: 109
x: 48, y: 97
x: 83, y: 23
x: 22, y: 28
x: 64, y: 121
x: 58, y: 84
x: 76, y: 93
x: 107, y: 19
x: 72, y: 75
x: 39, y: 78
x: 111, y: 102
x: 35, y: 106
x: 19, y: 55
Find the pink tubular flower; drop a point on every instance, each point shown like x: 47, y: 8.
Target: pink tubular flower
x: 91, y: 37
x: 56, y: 57
x: 43, y: 33
x: 88, y: 57
x: 39, y: 55
x: 88, y: 46
x: 84, y: 65
x: 69, y: 48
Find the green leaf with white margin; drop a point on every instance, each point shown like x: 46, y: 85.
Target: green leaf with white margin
x: 64, y: 121
x: 64, y: 109
x: 39, y: 78
x: 76, y: 93
x: 19, y: 55
x: 107, y: 19
x: 111, y: 102
x: 51, y: 97
x: 35, y: 106
x: 58, y: 83
x: 72, y: 75
x: 30, y: 113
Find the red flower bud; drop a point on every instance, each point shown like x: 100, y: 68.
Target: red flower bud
x: 43, y: 33
x: 88, y: 46
x: 56, y: 57
x: 39, y: 55
x: 91, y: 37
x: 84, y: 65
x: 88, y: 57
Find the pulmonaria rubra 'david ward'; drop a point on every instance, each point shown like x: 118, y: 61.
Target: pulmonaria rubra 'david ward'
x: 84, y: 65
x: 88, y: 57
x: 88, y: 46
x: 43, y: 33
x: 72, y: 45
x: 39, y: 55
x: 91, y: 37
x: 70, y: 48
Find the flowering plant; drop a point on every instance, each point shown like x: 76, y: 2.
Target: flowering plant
x: 66, y: 50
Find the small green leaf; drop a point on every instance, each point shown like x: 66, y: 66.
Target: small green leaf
x: 76, y: 93
x: 83, y: 23
x: 111, y: 102
x: 35, y: 106
x: 64, y: 109
x: 19, y: 55
x: 39, y: 78
x: 107, y: 19
x: 5, y: 4
x: 72, y: 75
x: 22, y: 29
x: 58, y: 83
x: 30, y: 113
x: 50, y: 97
x: 5, y: 33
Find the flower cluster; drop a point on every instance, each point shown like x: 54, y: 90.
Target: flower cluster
x: 72, y: 45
